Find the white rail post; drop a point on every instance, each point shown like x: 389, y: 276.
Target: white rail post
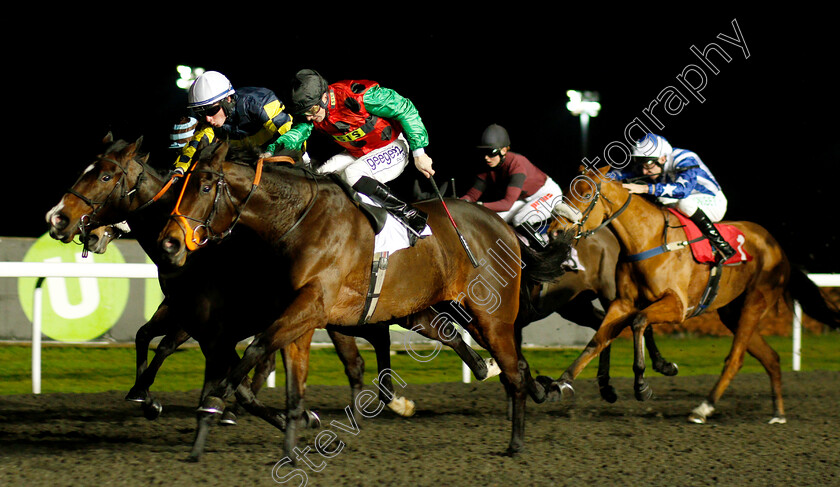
x: 797, y: 335
x: 37, y: 299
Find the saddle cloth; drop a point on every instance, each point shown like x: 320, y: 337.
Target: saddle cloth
x: 394, y: 236
x: 702, y: 249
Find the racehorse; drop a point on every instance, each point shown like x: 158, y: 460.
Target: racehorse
x: 667, y: 287
x: 571, y: 296
x: 121, y: 185
x: 310, y: 221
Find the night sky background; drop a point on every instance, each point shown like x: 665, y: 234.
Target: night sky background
x: 767, y: 129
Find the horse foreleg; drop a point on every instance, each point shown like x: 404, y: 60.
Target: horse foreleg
x: 261, y: 373
x: 659, y: 363
x: 667, y: 309
x: 354, y: 364
x: 303, y: 315
x: 296, y: 363
x: 615, y: 320
x: 582, y: 312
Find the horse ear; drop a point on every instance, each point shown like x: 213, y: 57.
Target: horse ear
x: 220, y: 154
x: 108, y: 139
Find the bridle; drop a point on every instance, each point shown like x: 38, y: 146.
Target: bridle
x: 87, y: 220
x: 588, y: 211
x: 191, y: 239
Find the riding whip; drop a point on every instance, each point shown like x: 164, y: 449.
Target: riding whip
x: 463, y: 240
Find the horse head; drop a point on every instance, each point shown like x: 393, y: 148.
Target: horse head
x: 103, y: 187
x: 206, y: 207
x: 589, y: 205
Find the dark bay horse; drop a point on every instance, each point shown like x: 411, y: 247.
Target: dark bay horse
x: 310, y: 221
x: 120, y: 185
x: 666, y: 287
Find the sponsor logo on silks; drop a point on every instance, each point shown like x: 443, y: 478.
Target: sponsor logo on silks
x: 536, y: 204
x: 384, y: 158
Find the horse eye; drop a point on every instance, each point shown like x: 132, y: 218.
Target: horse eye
x: 106, y: 178
x: 206, y: 188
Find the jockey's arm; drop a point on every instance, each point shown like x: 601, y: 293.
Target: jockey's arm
x: 388, y: 104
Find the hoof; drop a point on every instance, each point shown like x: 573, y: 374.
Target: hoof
x: 136, y: 396
x: 608, y: 394
x: 228, y: 418
x: 669, y: 369
x: 696, y: 418
x: 513, y: 450
x: 777, y: 420
x: 152, y: 410
x: 402, y: 406
x: 212, y: 405
x: 312, y: 420
x: 560, y: 391
x: 701, y: 413
x: 493, y: 368
x: 644, y: 393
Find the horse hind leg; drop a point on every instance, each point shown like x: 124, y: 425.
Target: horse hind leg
x: 742, y: 317
x: 441, y: 327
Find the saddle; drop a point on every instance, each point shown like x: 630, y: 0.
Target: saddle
x: 375, y: 214
x: 702, y: 249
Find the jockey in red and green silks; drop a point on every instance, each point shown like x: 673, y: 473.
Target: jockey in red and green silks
x: 379, y: 130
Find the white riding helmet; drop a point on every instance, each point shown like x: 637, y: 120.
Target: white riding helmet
x: 652, y: 146
x: 209, y: 88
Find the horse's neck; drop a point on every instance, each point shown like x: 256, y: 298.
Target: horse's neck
x: 640, y: 226
x: 276, y: 204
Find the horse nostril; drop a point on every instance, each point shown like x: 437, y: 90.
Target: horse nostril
x: 170, y: 245
x: 59, y: 221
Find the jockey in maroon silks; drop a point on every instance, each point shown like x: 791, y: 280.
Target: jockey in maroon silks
x: 516, y: 189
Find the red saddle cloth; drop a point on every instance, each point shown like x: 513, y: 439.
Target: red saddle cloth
x: 702, y: 249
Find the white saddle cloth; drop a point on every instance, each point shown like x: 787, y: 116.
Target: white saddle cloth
x: 394, y: 236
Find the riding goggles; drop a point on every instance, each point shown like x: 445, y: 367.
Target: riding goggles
x: 208, y: 110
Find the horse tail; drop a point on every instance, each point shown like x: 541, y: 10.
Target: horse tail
x: 808, y: 294
x: 545, y: 265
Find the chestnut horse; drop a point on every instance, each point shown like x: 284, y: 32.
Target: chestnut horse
x: 571, y: 296
x: 310, y: 221
x: 666, y: 288
x: 120, y: 185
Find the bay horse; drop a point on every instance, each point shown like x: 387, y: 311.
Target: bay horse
x: 121, y: 186
x: 668, y: 286
x: 310, y: 221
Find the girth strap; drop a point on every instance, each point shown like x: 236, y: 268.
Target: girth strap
x: 377, y: 278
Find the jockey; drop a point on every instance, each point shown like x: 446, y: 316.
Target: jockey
x: 679, y: 179
x: 513, y: 187
x: 249, y: 115
x: 378, y: 129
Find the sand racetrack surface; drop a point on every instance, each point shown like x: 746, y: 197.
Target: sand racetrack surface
x: 456, y: 438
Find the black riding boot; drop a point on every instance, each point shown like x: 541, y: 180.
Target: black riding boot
x: 414, y: 219
x: 715, y: 238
